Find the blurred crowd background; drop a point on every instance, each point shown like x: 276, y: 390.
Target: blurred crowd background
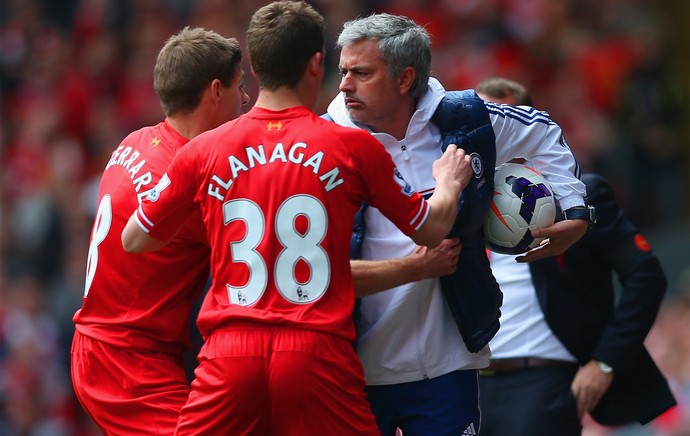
x: 76, y: 77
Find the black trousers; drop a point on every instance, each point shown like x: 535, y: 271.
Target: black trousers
x: 534, y: 401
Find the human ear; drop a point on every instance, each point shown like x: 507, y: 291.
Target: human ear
x: 406, y: 80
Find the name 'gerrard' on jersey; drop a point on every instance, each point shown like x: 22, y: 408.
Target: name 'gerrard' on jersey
x: 133, y: 162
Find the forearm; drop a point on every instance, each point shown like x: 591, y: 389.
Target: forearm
x: 136, y: 240
x: 423, y: 263
x: 444, y: 202
x: 443, y: 205
x: 560, y: 236
x: 641, y: 295
x: 452, y: 173
x: 372, y: 276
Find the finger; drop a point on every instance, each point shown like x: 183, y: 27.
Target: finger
x: 451, y: 242
x: 544, y: 232
x: 540, y: 252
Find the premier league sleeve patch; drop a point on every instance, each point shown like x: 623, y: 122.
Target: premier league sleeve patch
x: 400, y: 180
x: 154, y: 193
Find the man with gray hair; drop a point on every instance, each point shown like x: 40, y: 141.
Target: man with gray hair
x: 423, y: 340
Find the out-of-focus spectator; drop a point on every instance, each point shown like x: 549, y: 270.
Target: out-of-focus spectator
x: 36, y: 395
x: 669, y: 344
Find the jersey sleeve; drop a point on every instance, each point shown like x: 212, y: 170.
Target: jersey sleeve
x: 525, y: 132
x: 386, y: 189
x: 167, y: 206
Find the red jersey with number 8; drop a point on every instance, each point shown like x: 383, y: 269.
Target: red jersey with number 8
x: 278, y: 191
x: 123, y: 291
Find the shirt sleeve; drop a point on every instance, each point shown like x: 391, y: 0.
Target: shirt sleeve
x: 525, y: 132
x: 167, y: 206
x: 617, y: 243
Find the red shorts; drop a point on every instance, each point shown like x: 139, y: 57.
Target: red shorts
x: 126, y: 392
x: 277, y: 380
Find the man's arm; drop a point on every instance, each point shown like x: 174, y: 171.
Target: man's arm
x: 372, y: 276
x: 452, y: 173
x: 530, y: 134
x: 616, y: 241
x: 136, y: 240
x: 559, y: 236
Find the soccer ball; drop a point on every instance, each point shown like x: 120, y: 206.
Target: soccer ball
x: 523, y: 201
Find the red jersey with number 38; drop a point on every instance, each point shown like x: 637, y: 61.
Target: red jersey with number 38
x: 278, y: 192
x: 141, y: 301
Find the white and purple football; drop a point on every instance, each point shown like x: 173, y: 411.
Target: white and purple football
x: 523, y: 201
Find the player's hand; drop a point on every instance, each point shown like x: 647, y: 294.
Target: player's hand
x: 453, y: 166
x: 436, y: 262
x: 559, y: 237
x: 588, y: 386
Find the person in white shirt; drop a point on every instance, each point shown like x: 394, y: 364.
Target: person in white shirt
x: 421, y: 372
x: 565, y: 348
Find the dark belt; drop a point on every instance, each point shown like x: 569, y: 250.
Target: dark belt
x: 516, y: 364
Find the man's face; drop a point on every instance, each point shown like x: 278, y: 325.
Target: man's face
x: 235, y: 96
x: 371, y: 97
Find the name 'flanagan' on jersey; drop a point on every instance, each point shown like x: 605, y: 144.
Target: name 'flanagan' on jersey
x: 297, y: 154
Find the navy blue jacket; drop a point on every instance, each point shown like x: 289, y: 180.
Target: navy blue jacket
x: 471, y: 292
x: 580, y: 305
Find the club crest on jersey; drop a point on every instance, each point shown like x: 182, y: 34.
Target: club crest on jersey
x: 271, y: 125
x: 400, y: 180
x: 477, y: 165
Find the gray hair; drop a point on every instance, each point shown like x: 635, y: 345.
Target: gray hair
x: 402, y: 43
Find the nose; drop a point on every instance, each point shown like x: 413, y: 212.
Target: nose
x: 346, y: 83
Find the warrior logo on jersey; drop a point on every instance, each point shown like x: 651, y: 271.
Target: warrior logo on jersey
x: 155, y: 193
x: 271, y: 125
x: 477, y: 165
x: 400, y: 180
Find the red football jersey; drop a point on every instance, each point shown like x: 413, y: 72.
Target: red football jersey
x: 278, y: 192
x: 141, y: 301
